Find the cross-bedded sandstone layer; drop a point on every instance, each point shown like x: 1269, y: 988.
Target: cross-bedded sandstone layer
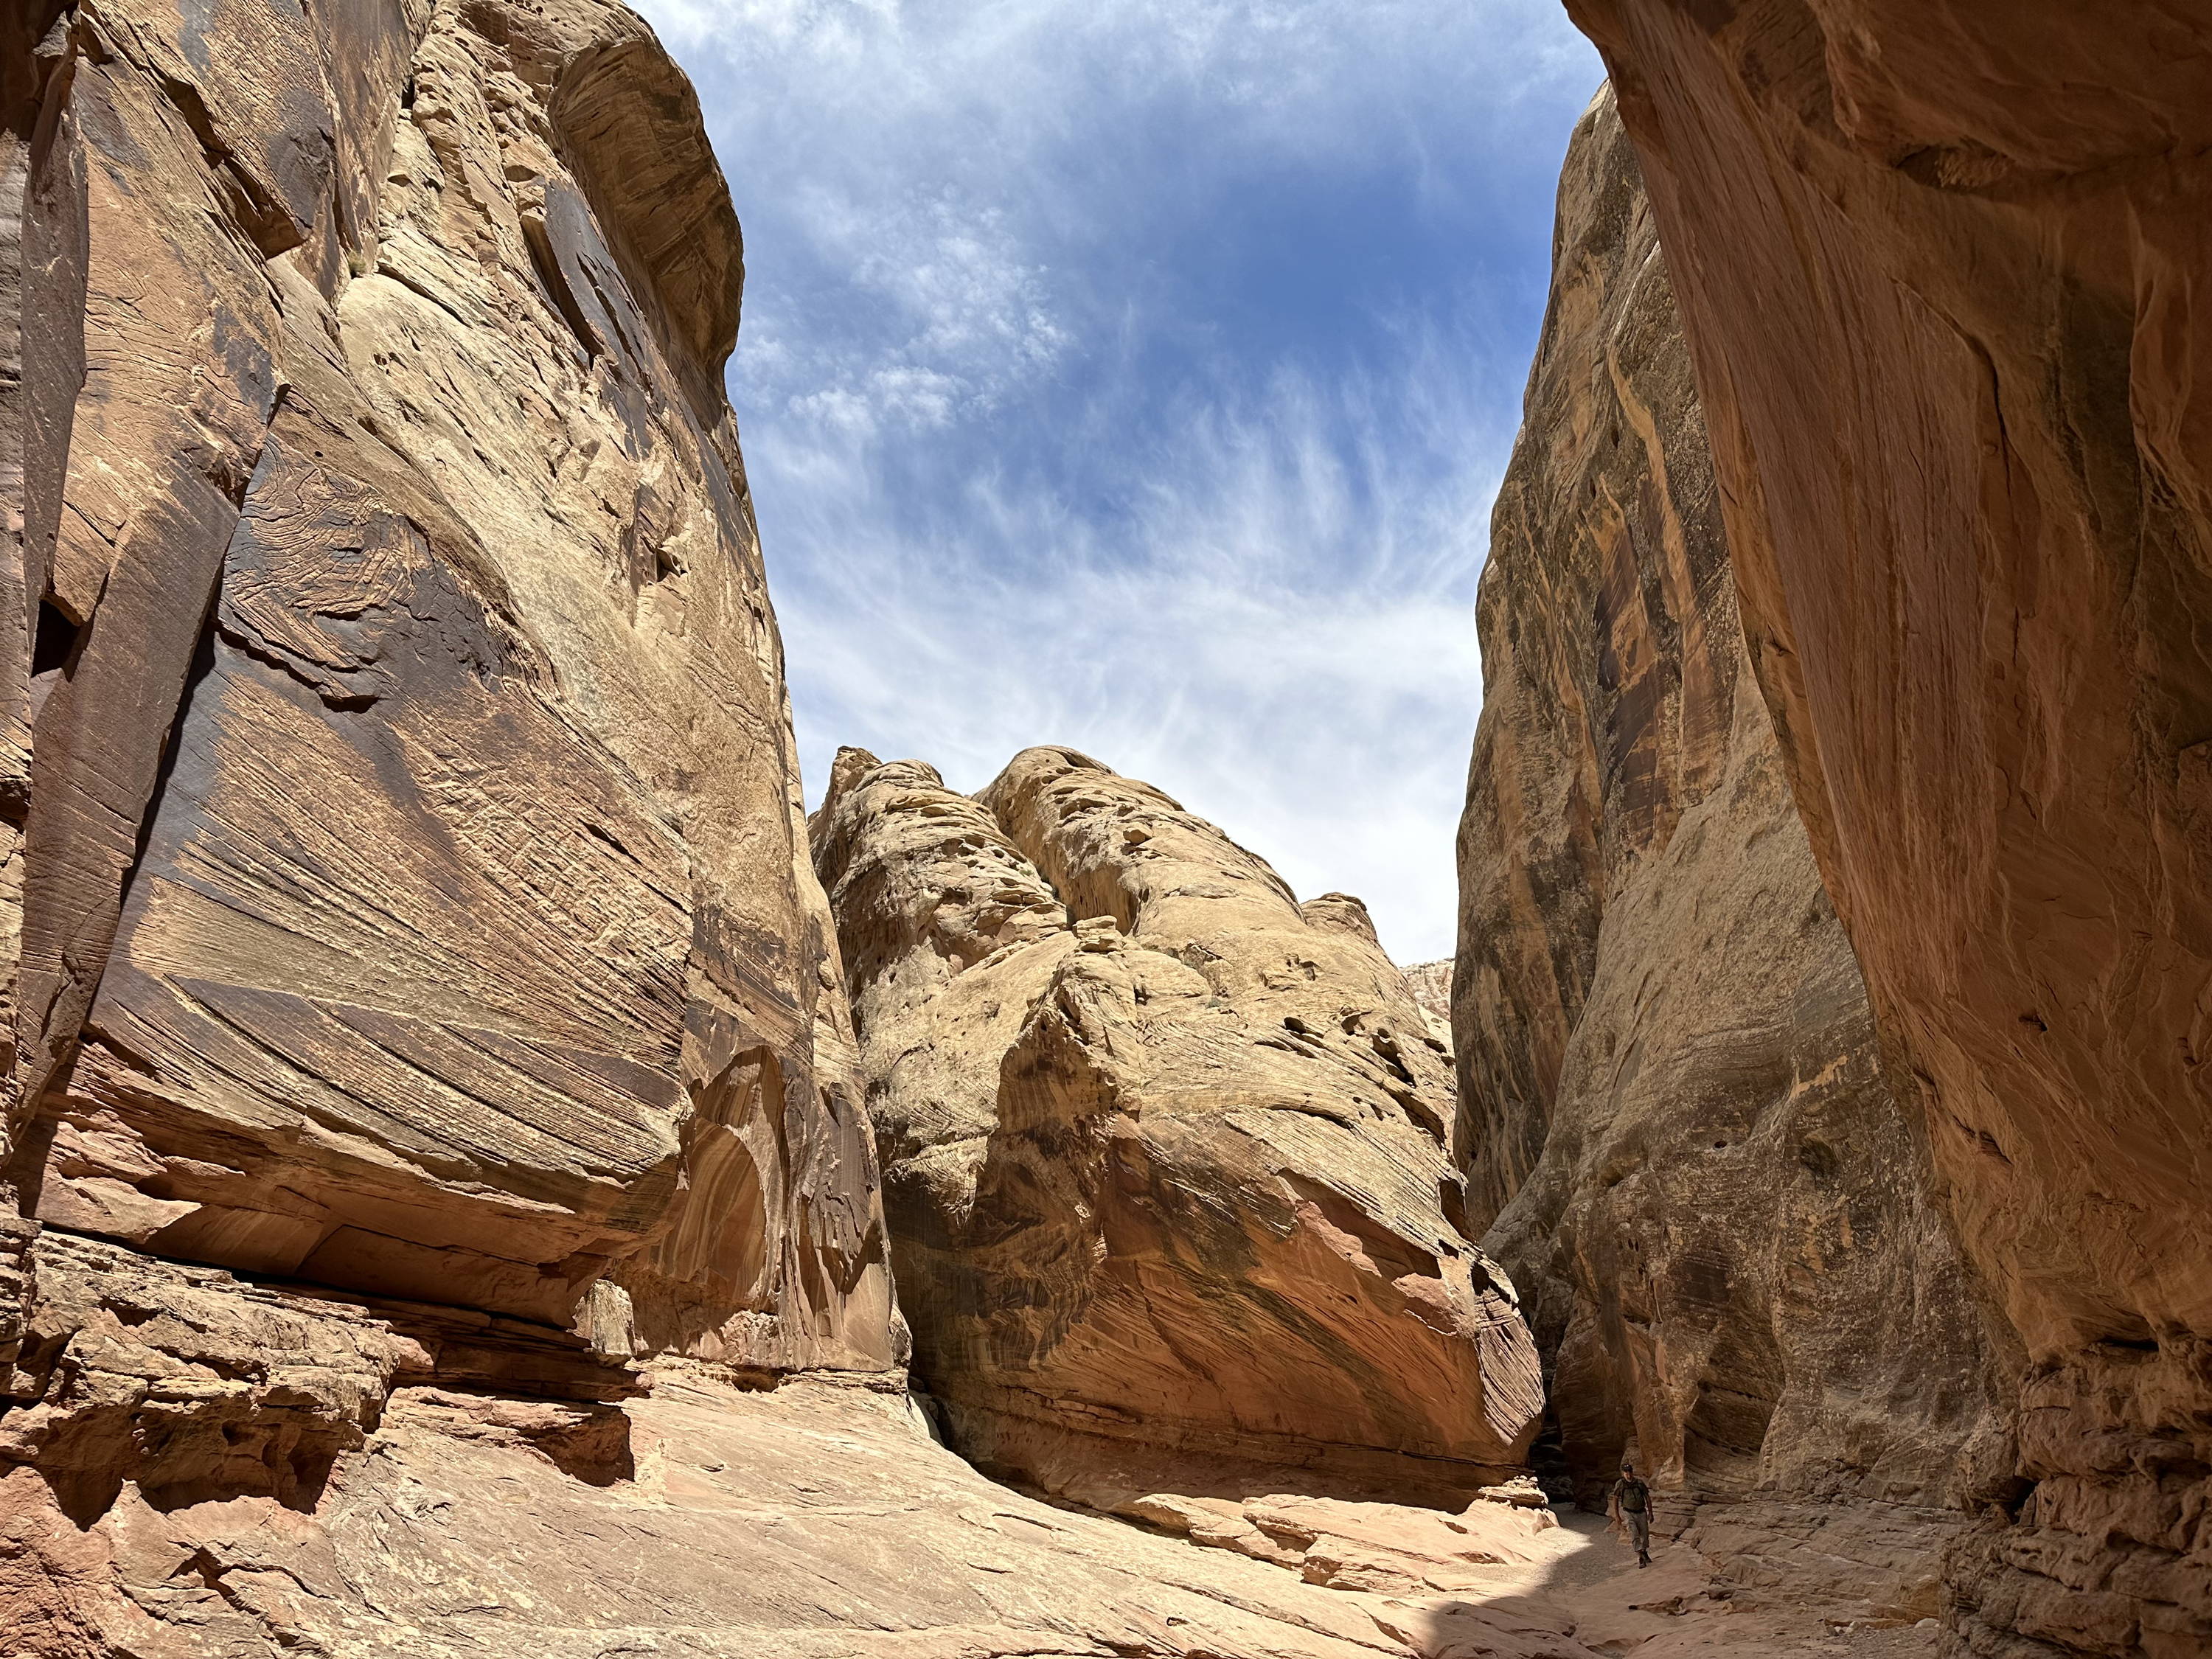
x: 1943, y: 271
x: 1167, y: 1154
x: 1682, y: 1136
x: 410, y: 880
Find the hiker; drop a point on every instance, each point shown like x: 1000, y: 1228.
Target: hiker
x: 1631, y: 1503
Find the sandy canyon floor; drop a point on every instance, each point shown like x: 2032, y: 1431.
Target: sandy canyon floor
x: 822, y: 1521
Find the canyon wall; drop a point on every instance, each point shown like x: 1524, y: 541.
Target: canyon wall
x: 1683, y: 1139
x: 1941, y: 270
x: 1430, y: 983
x: 1166, y: 1153
x: 406, y: 894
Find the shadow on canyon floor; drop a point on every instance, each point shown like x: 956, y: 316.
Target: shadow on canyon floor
x: 1585, y: 1595
x: 818, y: 1520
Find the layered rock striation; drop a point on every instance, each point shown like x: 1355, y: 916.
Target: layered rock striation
x: 1941, y: 271
x: 414, y: 974
x: 411, y: 885
x: 1683, y: 1139
x: 1167, y: 1155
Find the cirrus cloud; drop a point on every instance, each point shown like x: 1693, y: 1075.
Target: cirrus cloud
x: 1137, y: 376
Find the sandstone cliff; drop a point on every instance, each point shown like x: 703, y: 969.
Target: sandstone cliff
x: 1165, y: 1152
x: 441, y: 1219
x: 1683, y: 1138
x: 406, y: 892
x: 1430, y: 983
x: 1941, y: 270
x: 441, y: 1215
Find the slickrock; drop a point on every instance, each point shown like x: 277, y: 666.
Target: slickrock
x: 1941, y: 270
x: 412, y: 887
x: 442, y: 1200
x: 216, y: 1466
x: 1167, y: 1156
x: 1684, y: 1141
x: 309, y: 1487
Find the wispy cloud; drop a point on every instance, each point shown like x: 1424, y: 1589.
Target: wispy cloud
x: 1137, y: 375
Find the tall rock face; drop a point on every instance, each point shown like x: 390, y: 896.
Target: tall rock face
x: 1682, y: 1135
x: 406, y: 887
x: 1942, y: 271
x: 1166, y: 1154
x: 1430, y: 983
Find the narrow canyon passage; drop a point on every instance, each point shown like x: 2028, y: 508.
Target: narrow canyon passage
x: 482, y: 1171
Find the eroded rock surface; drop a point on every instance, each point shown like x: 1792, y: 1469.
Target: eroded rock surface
x: 1167, y: 1154
x: 310, y: 1487
x: 1683, y: 1138
x: 1941, y: 270
x: 407, y: 861
x: 1431, y: 982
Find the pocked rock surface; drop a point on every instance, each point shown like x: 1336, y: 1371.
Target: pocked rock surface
x: 1167, y: 1155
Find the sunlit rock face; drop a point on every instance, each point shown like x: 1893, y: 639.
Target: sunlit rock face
x: 1683, y: 1140
x: 1430, y: 983
x: 1941, y: 269
x: 406, y: 890
x: 1167, y: 1155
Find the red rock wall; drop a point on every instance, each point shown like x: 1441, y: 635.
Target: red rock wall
x: 1685, y: 1143
x: 1941, y: 269
x: 401, y: 819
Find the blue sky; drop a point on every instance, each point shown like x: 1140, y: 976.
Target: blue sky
x: 1136, y: 374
